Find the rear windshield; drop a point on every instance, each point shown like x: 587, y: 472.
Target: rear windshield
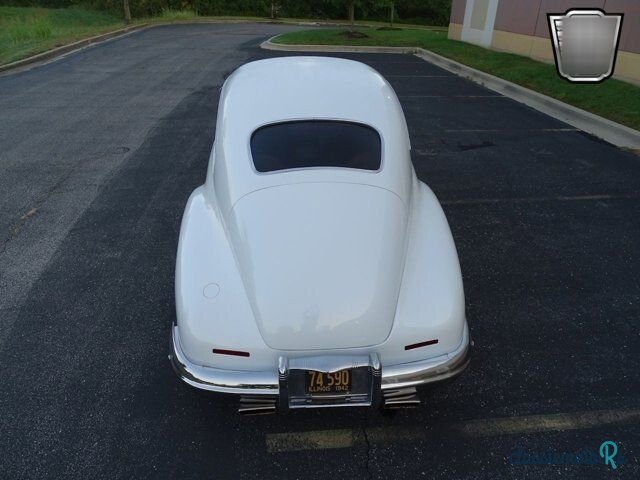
x: 315, y: 143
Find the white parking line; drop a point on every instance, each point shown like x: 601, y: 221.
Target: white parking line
x: 454, y: 96
x: 575, y: 198
x: 558, y: 422
x: 346, y: 438
x: 420, y: 76
x: 313, y: 440
x: 508, y: 130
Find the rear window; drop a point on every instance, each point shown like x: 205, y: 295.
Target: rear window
x: 316, y: 143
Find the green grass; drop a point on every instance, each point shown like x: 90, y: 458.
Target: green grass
x: 177, y: 15
x: 27, y: 31
x: 613, y: 99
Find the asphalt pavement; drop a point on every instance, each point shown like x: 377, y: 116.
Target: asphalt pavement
x: 99, y: 152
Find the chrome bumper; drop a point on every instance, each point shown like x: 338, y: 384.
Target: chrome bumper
x: 257, y: 383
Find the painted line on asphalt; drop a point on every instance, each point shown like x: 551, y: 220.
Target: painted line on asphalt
x: 347, y: 438
x: 508, y: 130
x: 418, y: 61
x: 421, y: 76
x: 610, y: 131
x: 575, y: 198
x: 558, y: 422
x: 454, y: 96
x: 314, y: 440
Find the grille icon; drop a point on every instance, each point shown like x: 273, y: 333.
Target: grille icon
x: 585, y: 44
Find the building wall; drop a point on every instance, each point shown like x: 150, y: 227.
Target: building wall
x: 457, y: 19
x: 477, y: 25
x: 520, y: 26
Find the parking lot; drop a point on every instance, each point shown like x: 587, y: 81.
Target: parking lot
x: 99, y: 153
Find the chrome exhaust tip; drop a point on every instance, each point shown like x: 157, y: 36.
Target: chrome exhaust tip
x: 257, y: 405
x: 400, y: 398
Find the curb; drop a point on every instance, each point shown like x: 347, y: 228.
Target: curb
x: 59, y: 51
x: 56, y: 52
x: 267, y: 45
x: 612, y: 132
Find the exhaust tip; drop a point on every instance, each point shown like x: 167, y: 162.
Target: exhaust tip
x: 257, y: 405
x: 401, y: 398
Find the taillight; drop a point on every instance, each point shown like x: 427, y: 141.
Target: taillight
x: 421, y: 344
x: 236, y: 353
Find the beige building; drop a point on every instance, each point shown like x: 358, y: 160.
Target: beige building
x: 521, y: 26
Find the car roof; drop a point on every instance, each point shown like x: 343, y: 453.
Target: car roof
x: 304, y: 88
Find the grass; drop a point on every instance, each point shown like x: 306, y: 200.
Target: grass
x: 27, y: 31
x: 177, y: 15
x: 613, y: 99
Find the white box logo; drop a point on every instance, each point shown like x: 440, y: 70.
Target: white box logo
x: 585, y: 44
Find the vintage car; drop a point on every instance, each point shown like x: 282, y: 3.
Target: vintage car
x: 313, y: 268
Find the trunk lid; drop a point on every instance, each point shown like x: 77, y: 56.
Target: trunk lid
x: 322, y: 263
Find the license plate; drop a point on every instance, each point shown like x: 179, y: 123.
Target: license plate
x: 326, y: 383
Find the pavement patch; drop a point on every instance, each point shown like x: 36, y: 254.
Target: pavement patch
x: 543, y: 219
x: 348, y: 438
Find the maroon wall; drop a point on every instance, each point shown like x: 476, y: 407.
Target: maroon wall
x: 457, y: 11
x: 559, y: 6
x: 630, y: 35
x: 529, y: 17
x: 517, y: 16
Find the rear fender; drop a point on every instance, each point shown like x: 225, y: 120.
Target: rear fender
x: 211, y: 304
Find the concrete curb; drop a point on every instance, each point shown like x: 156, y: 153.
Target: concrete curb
x: 59, y: 51
x: 612, y: 132
x: 600, y: 127
x: 267, y: 45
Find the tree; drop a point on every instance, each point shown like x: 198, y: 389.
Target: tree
x: 391, y: 5
x: 433, y: 12
x: 352, y: 12
x: 351, y: 6
x: 127, y: 12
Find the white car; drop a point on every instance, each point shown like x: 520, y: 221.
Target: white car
x: 314, y: 269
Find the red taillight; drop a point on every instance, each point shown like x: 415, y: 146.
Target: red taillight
x: 421, y: 344
x: 236, y: 353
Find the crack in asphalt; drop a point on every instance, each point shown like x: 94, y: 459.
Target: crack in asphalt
x: 24, y: 219
x: 558, y: 198
x: 74, y: 406
x: 44, y: 196
x: 368, y: 451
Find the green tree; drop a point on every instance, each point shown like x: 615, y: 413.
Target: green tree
x: 390, y: 5
x: 350, y: 7
x: 127, y: 11
x: 434, y: 12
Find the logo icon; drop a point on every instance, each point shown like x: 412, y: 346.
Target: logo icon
x: 585, y: 44
x: 608, y: 450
